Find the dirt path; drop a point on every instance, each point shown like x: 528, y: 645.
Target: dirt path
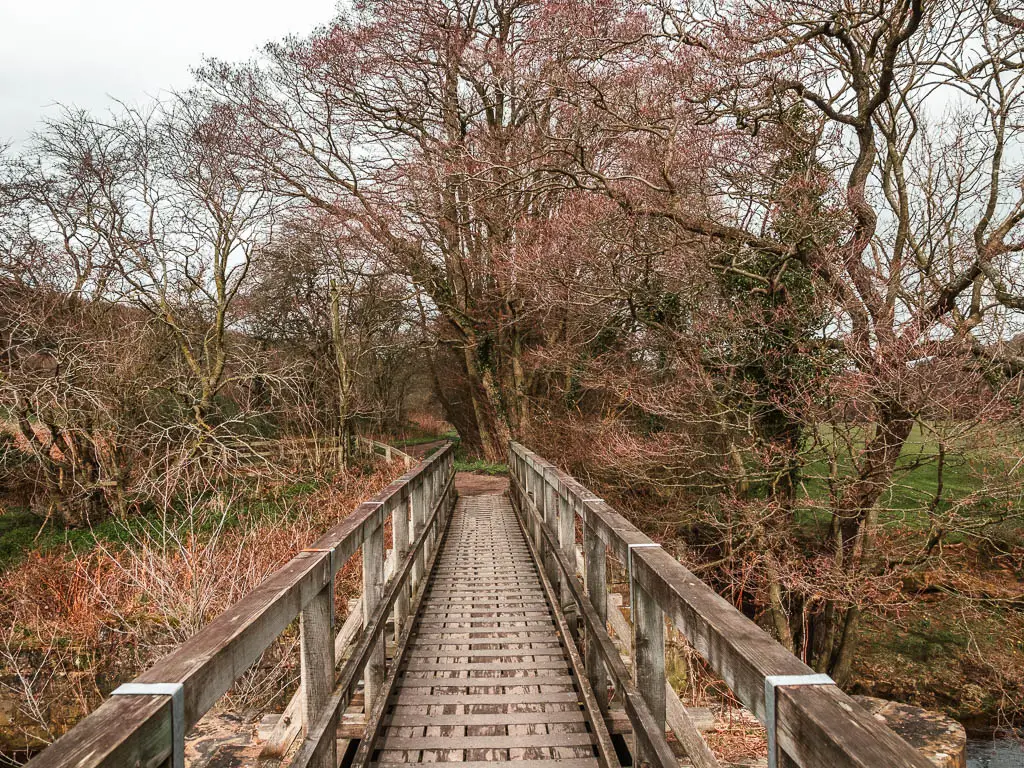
x: 474, y: 484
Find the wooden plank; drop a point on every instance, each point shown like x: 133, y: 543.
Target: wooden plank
x: 547, y: 763
x: 501, y: 718
x: 432, y: 666
x: 495, y: 624
x: 516, y: 741
x: 496, y: 634
x: 505, y: 655
x: 507, y: 636
x: 403, y: 697
x: 513, y: 677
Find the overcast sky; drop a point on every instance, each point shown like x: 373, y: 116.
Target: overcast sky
x: 82, y: 52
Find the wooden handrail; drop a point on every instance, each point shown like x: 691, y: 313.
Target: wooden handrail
x: 816, y: 725
x: 136, y: 730
x: 645, y: 723
x: 321, y: 731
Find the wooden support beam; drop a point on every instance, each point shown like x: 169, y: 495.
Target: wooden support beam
x: 373, y: 581
x: 649, y: 663
x: 400, y: 536
x: 289, y: 724
x: 317, y: 665
x: 596, y: 567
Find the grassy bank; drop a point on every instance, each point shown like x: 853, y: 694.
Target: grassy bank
x: 953, y: 638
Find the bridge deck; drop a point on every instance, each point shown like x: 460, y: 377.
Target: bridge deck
x: 485, y: 677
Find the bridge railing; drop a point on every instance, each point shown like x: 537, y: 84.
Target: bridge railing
x: 812, y: 724
x: 146, y: 727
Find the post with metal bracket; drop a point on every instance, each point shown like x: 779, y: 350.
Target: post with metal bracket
x: 648, y: 651
x: 177, y: 693
x: 771, y: 684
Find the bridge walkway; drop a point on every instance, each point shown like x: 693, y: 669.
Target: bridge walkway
x: 485, y: 676
x: 487, y: 668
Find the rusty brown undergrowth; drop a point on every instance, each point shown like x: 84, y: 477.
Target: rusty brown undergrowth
x: 73, y: 626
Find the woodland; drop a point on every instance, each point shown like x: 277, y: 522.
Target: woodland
x: 754, y: 270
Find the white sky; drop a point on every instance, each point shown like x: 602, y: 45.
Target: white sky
x: 82, y: 52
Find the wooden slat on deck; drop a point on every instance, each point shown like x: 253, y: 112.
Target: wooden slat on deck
x: 485, y: 678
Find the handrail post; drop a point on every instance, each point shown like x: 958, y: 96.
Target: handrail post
x: 373, y: 580
x: 444, y: 472
x: 551, y: 523
x: 418, y: 505
x: 539, y: 493
x: 596, y: 561
x: 648, y: 658
x: 400, y: 540
x: 450, y: 472
x: 430, y: 491
x: 530, y: 490
x: 567, y: 543
x: 317, y: 666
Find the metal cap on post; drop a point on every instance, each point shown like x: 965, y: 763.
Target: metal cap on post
x: 629, y: 565
x: 177, y: 693
x: 771, y: 683
x: 332, y: 566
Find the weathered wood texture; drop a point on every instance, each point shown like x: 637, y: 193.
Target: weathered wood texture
x: 136, y: 730
x: 317, y: 663
x: 290, y: 722
x: 322, y: 728
x: 677, y: 717
x: 485, y: 675
x: 816, y: 725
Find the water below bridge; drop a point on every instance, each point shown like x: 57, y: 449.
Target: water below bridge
x: 995, y: 753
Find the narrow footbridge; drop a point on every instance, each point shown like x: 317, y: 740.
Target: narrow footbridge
x: 485, y: 636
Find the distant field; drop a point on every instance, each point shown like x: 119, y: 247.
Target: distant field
x: 981, y: 469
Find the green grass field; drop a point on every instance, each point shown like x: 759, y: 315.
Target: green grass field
x: 22, y: 532
x: 975, y: 463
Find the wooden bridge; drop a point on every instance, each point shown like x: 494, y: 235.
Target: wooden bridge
x: 498, y: 606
